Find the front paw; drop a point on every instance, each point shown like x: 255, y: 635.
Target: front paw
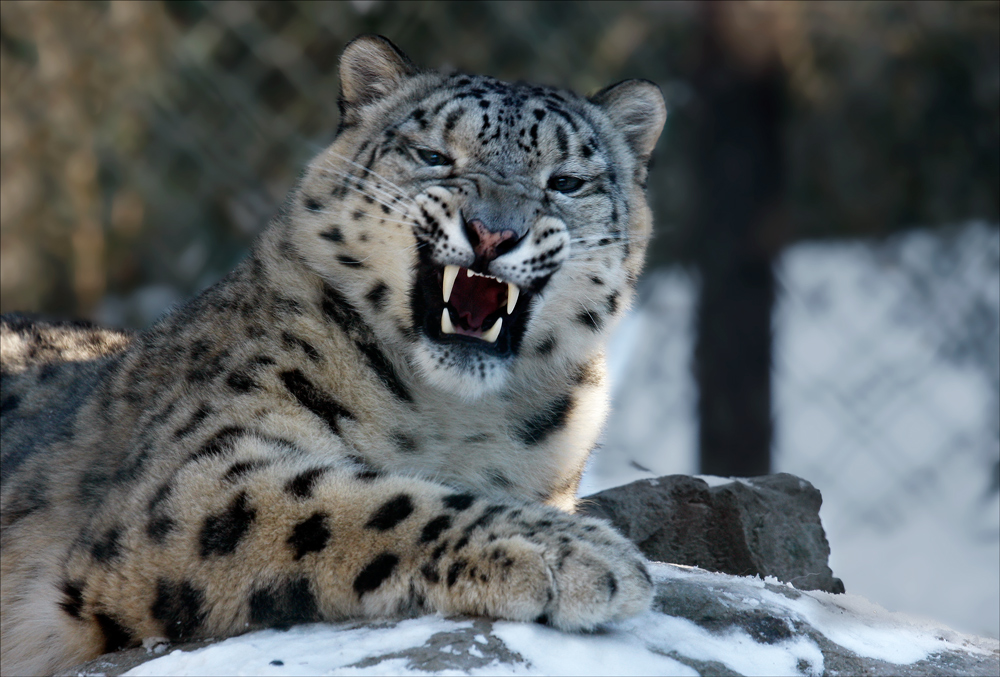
x: 572, y: 572
x: 599, y: 576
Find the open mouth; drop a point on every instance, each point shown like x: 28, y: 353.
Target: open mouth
x: 454, y: 304
x: 475, y: 304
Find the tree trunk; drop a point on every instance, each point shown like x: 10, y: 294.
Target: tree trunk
x: 739, y: 171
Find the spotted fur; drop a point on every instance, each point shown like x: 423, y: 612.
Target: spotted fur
x: 304, y: 440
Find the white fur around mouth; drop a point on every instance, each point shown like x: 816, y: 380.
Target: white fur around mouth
x: 450, y: 275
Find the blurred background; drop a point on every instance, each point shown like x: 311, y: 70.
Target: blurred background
x: 823, y: 290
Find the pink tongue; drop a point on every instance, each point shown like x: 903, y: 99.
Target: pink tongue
x: 473, y: 298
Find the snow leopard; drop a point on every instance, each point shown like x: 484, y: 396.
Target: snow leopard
x: 383, y: 411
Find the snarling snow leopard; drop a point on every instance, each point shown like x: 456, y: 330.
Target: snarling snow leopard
x: 383, y: 411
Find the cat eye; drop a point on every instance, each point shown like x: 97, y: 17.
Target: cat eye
x: 433, y: 158
x: 565, y: 184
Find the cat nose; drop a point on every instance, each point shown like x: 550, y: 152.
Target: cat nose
x: 489, y: 244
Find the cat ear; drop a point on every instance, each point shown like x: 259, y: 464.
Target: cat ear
x: 370, y: 68
x: 636, y: 107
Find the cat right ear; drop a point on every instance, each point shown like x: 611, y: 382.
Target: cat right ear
x: 370, y: 68
x: 637, y: 109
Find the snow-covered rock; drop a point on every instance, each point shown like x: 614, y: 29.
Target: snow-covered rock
x: 701, y: 623
x: 766, y: 526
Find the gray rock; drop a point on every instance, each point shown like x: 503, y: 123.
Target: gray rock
x: 763, y: 526
x: 722, y: 604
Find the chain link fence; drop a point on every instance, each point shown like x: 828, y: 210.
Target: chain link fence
x: 887, y: 366
x: 887, y: 398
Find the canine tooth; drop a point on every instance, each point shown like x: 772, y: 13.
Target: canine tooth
x: 450, y: 274
x: 468, y: 272
x: 512, y: 293
x: 494, y: 332
x: 446, y: 326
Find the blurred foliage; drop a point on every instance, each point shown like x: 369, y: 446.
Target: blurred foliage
x: 145, y: 144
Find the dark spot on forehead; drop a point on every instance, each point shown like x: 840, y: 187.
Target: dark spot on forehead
x: 565, y: 116
x: 453, y: 118
x: 562, y: 141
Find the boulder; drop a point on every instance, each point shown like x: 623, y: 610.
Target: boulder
x: 759, y: 526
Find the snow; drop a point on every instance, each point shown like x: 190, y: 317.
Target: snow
x: 303, y: 650
x: 551, y: 652
x: 651, y: 644
x: 713, y: 481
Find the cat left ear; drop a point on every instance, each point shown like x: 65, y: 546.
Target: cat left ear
x: 370, y: 68
x: 636, y: 107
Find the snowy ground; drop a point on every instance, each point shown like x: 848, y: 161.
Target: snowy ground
x: 885, y: 399
x: 810, y: 628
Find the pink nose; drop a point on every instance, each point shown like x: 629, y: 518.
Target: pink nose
x: 487, y: 244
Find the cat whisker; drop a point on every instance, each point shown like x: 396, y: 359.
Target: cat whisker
x: 376, y: 199
x: 400, y: 192
x: 356, y: 182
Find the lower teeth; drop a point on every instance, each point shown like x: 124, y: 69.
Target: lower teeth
x: 447, y: 327
x: 494, y: 332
